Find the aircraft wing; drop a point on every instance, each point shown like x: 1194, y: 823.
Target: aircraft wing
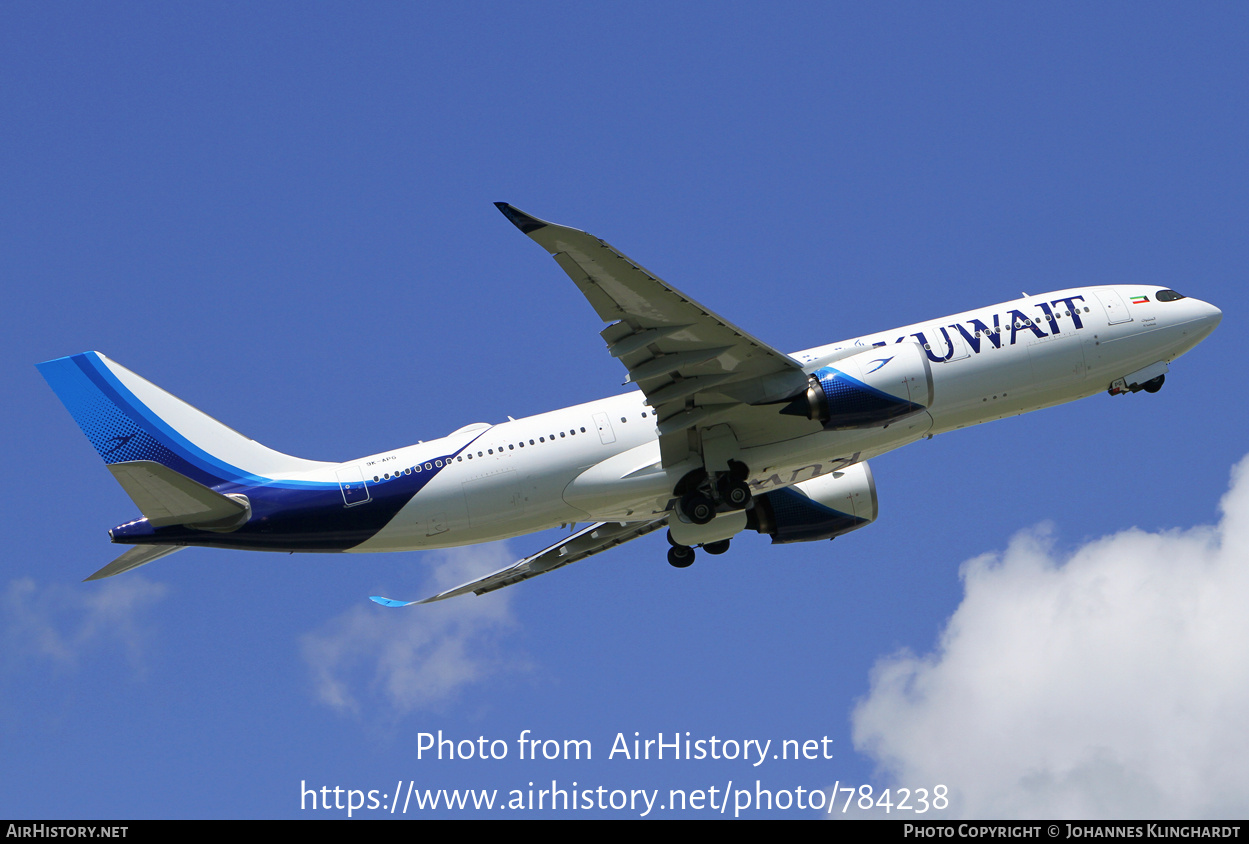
x: 695, y: 368
x: 586, y: 542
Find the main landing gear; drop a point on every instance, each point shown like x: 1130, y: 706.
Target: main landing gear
x: 697, y: 507
x: 700, y: 498
x: 682, y: 556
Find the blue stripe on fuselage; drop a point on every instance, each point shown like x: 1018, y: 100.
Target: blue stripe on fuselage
x: 286, y: 519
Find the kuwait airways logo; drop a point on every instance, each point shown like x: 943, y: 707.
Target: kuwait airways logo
x: 122, y: 442
x: 879, y: 363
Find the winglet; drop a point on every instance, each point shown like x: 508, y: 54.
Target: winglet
x: 391, y: 602
x: 520, y: 219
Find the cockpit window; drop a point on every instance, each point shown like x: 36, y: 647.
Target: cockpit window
x: 1168, y: 296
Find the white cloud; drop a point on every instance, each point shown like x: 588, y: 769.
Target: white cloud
x: 60, y: 623
x: 1110, y: 683
x: 420, y: 656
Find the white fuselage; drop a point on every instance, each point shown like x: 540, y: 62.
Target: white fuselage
x: 600, y: 461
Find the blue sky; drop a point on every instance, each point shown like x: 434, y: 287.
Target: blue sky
x: 283, y: 216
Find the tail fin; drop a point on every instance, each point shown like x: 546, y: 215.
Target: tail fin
x: 130, y: 419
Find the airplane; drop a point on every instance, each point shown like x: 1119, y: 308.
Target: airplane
x: 723, y: 434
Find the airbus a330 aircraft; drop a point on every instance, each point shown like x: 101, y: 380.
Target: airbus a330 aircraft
x: 723, y: 434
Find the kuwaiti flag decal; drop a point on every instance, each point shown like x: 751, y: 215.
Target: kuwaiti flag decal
x: 1139, y: 300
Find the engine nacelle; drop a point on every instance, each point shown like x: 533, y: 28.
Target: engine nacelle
x: 867, y: 390
x: 821, y: 508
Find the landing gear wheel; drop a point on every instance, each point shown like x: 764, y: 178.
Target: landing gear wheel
x: 1153, y: 385
x: 698, y: 508
x: 734, y: 493
x: 680, y: 556
x: 717, y: 547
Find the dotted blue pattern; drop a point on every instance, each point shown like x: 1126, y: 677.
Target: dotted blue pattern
x: 120, y: 427
x: 800, y: 519
x: 851, y: 402
x: 847, y: 396
x: 116, y: 437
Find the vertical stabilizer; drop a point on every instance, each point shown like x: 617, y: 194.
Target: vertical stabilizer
x: 128, y: 418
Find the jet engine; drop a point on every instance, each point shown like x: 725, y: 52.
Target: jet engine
x: 821, y: 508
x: 872, y: 388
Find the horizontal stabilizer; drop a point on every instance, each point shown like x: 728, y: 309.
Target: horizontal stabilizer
x: 168, y: 498
x: 135, y: 557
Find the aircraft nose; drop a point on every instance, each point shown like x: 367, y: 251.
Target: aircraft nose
x: 1208, y: 317
x: 1211, y: 315
x: 1216, y: 316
